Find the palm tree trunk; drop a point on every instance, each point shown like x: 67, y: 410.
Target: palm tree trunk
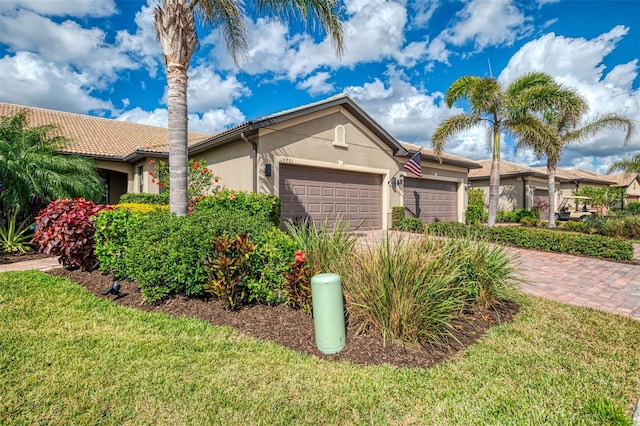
x: 176, y: 31
x: 494, y: 191
x: 551, y: 171
x: 177, y: 106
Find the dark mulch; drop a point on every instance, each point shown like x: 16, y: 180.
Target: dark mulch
x: 294, y: 329
x: 6, y: 258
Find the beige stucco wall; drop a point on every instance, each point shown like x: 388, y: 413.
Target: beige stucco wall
x: 121, y: 167
x: 312, y: 141
x: 515, y: 192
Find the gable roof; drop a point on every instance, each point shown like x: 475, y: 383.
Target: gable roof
x: 450, y: 159
x: 100, y: 137
x: 252, y: 126
x: 624, y: 179
x: 507, y: 169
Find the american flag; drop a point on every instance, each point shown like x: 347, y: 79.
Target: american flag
x: 413, y: 165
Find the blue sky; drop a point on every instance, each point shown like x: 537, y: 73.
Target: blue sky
x: 100, y: 57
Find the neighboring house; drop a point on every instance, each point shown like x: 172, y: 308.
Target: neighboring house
x: 120, y: 149
x: 631, y: 183
x: 521, y: 187
x: 326, y: 159
x: 569, y: 180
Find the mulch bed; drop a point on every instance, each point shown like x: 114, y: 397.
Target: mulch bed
x: 294, y: 329
x: 7, y: 258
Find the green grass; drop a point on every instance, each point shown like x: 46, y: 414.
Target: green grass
x: 69, y: 358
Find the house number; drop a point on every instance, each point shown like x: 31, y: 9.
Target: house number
x: 287, y: 160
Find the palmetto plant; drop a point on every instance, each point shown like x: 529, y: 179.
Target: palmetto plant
x: 15, y: 238
x: 175, y: 24
x: 510, y: 110
x: 32, y: 169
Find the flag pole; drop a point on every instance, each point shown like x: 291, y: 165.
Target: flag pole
x: 393, y: 180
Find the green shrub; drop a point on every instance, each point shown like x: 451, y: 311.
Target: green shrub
x: 397, y: 214
x: 409, y: 224
x: 633, y: 208
x: 632, y: 226
x: 145, y: 198
x: 541, y: 239
x: 271, y: 261
x: 475, y: 212
x: 113, y: 229
x: 267, y: 206
x: 168, y: 252
x: 298, y: 284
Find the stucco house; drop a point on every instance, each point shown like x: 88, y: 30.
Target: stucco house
x: 523, y: 187
x: 326, y: 159
x: 629, y: 181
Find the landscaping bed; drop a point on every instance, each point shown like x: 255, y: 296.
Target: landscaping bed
x: 7, y: 258
x: 294, y: 329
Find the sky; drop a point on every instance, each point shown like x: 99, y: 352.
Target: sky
x: 101, y: 57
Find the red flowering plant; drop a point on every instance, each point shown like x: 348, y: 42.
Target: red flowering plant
x: 298, y: 283
x: 201, y: 179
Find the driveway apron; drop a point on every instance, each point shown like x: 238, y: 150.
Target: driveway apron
x: 581, y: 281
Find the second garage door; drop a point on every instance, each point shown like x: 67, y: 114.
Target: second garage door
x: 321, y: 193
x: 431, y: 200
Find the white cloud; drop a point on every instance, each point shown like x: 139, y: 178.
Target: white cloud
x: 77, y: 8
x: 578, y: 63
x: 374, y: 31
x: 26, y: 79
x: 488, y: 23
x: 422, y: 11
x: 207, y: 90
x: 212, y: 121
x: 142, y: 45
x: 317, y: 84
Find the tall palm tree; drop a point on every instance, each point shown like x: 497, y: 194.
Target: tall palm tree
x: 510, y: 110
x: 562, y: 124
x: 176, y: 31
x: 627, y: 166
x: 32, y: 169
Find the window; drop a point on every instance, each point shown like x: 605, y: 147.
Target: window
x: 340, y: 136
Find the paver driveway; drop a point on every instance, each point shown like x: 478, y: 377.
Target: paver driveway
x: 582, y: 281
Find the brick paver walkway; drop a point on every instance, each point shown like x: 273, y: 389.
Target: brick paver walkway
x: 608, y: 286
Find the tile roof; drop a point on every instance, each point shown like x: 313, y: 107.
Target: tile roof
x: 100, y: 137
x: 429, y: 154
x: 578, y: 175
x: 623, y: 179
x: 507, y: 168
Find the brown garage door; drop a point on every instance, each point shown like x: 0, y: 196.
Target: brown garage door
x: 320, y: 193
x: 431, y: 200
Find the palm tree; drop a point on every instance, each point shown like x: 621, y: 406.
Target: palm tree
x: 176, y: 31
x: 562, y: 124
x: 627, y: 166
x: 32, y: 169
x: 510, y: 110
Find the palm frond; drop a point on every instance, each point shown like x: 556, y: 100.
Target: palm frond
x: 317, y: 16
x: 228, y: 17
x: 461, y: 89
x: 627, y: 166
x: 451, y: 126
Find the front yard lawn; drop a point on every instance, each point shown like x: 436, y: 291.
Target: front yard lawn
x: 67, y: 357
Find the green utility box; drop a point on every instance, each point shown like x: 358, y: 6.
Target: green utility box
x: 328, y: 313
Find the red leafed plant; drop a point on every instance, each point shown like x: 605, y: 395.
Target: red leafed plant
x: 65, y: 228
x: 227, y: 268
x: 298, y: 284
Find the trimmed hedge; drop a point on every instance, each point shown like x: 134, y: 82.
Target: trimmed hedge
x: 266, y: 206
x: 409, y: 224
x: 541, y: 239
x: 145, y: 198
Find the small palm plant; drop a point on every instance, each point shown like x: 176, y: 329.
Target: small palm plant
x: 15, y: 239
